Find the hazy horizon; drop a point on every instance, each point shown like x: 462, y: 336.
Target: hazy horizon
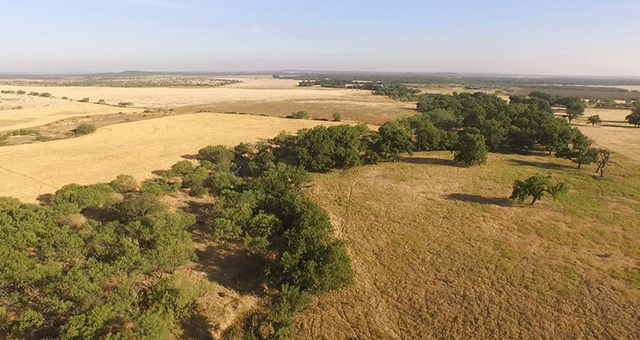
x: 572, y: 38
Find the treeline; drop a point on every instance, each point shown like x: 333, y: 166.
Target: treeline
x: 396, y: 91
x: 332, y: 83
x: 460, y: 78
x: 337, y: 83
x: 468, y: 124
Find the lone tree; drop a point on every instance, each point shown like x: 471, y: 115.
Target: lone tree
x: 593, y: 120
x: 536, y: 187
x: 581, y: 153
x: 470, y: 149
x: 634, y: 117
x: 575, y: 107
x: 300, y: 115
x: 84, y: 129
x: 605, y: 155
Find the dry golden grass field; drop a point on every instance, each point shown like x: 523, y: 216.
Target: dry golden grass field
x: 136, y: 148
x: 439, y: 252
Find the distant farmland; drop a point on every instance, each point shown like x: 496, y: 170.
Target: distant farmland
x: 582, y: 93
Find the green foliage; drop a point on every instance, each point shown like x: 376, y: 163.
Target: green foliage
x: 138, y: 207
x: 428, y: 136
x: 606, y: 103
x: 593, y: 120
x: 393, y: 139
x: 242, y: 149
x: 396, y: 91
x: 222, y: 180
x: 470, y: 149
x: 181, y: 168
x: 124, y: 184
x: 195, y: 181
x: 271, y: 212
x: 157, y: 187
x: 85, y: 281
x: 575, y: 107
x: 520, y: 125
x: 337, y: 117
x: 581, y: 153
x: 431, y: 102
x: 84, y: 129
x: 634, y: 117
x: 300, y: 115
x: 78, y: 197
x: 536, y: 187
x: 322, y: 148
x: 219, y: 155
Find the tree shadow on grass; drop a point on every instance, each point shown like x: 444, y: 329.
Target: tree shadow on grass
x: 200, y: 210
x: 233, y: 266
x: 190, y: 156
x: 196, y: 328
x: 499, y: 201
x: 628, y: 126
x: 543, y: 165
x: 160, y: 173
x: 432, y: 161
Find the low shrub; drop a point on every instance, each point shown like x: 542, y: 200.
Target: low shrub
x: 84, y: 129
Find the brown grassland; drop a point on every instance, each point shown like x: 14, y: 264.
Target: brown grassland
x: 438, y: 250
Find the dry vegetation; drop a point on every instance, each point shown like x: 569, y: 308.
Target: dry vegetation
x: 136, y: 148
x: 439, y: 253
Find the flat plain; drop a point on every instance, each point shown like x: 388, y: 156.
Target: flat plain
x: 438, y: 250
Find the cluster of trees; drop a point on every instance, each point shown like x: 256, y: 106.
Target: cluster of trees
x: 524, y: 124
x: 468, y: 124
x: 8, y: 91
x: 125, y: 104
x: 260, y: 203
x: 66, y: 276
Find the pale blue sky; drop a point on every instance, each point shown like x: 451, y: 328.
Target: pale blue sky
x: 525, y: 37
